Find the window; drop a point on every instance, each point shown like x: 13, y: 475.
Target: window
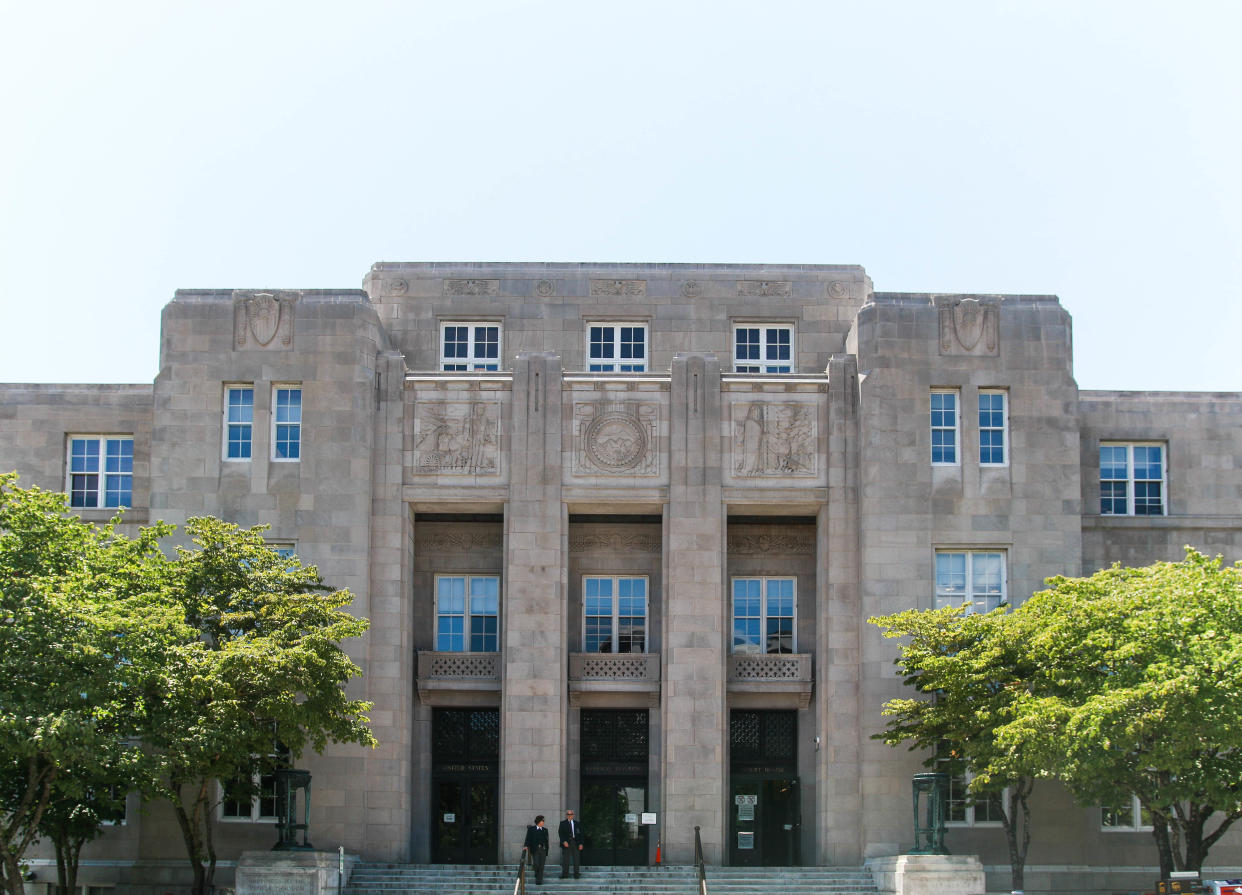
x: 993, y: 426
x: 287, y: 422
x: 970, y: 576
x: 1132, y: 479
x: 467, y: 613
x: 238, y: 421
x: 762, y: 349
x: 1129, y: 816
x: 614, y: 614
x: 944, y: 428
x: 764, y: 611
x: 617, y: 347
x: 961, y: 807
x: 253, y: 799
x: 101, y: 471
x: 470, y: 346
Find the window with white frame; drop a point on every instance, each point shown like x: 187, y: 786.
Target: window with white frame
x: 993, y: 427
x: 253, y: 799
x: 470, y: 346
x: 238, y: 421
x: 100, y: 471
x: 1132, y: 479
x: 944, y: 427
x: 467, y: 613
x: 614, y: 613
x: 760, y: 348
x: 962, y: 808
x: 764, y: 615
x: 616, y: 347
x: 287, y: 422
x: 976, y: 577
x: 1128, y: 816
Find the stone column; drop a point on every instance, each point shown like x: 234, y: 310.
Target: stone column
x: 533, y: 702
x: 693, y: 715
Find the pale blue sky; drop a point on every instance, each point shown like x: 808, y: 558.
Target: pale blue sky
x: 1088, y: 149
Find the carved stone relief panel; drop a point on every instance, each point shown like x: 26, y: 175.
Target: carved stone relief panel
x: 263, y: 320
x: 616, y: 438
x: 764, y: 287
x: 770, y: 543
x: 615, y: 542
x: 453, y: 539
x: 619, y: 287
x: 970, y: 327
x: 457, y: 437
x: 774, y: 439
x: 471, y: 287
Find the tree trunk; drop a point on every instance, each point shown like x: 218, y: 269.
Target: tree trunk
x: 67, y: 860
x: 1016, y: 818
x: 1164, y: 848
x: 191, y: 820
x: 12, y: 874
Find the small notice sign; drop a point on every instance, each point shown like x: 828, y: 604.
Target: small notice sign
x: 649, y: 817
x: 745, y: 840
x: 746, y: 800
x: 450, y: 818
x: 631, y: 818
x: 746, y: 812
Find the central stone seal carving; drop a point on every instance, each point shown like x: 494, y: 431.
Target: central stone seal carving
x: 615, y: 438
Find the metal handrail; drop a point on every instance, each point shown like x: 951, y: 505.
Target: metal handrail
x: 519, y: 885
x: 698, y: 859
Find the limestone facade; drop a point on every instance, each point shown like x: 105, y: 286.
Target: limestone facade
x: 691, y: 476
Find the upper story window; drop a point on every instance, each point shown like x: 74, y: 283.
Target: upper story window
x: 1128, y: 816
x: 470, y: 346
x: 617, y: 347
x: 944, y: 427
x: 238, y: 421
x: 101, y: 471
x: 764, y: 615
x: 976, y: 577
x: 467, y: 613
x: 1132, y: 479
x: 762, y: 349
x: 614, y: 614
x: 993, y: 427
x: 287, y: 422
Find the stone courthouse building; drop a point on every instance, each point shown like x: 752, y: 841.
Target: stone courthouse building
x: 619, y: 528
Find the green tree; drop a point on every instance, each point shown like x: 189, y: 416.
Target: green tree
x: 79, y: 807
x: 264, y: 670
x: 970, y: 673
x: 1138, y: 691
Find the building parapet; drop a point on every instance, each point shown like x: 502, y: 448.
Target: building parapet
x: 603, y: 675
x: 458, y: 678
x: 771, y: 680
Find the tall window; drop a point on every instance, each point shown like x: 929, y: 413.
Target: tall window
x: 617, y: 347
x: 467, y: 613
x: 614, y: 614
x: 764, y: 615
x: 762, y: 349
x: 287, y: 422
x: 101, y: 471
x: 254, y: 798
x: 960, y: 806
x: 238, y: 421
x: 1128, y: 816
x: 993, y: 425
x: 1132, y: 479
x: 976, y: 577
x: 470, y: 346
x: 944, y: 427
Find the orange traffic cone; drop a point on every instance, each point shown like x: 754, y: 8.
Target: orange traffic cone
x: 657, y: 852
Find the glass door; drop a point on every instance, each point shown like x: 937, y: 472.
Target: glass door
x: 464, y: 824
x: 612, y: 822
x: 765, y: 826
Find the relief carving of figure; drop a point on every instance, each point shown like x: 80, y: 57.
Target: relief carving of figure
x: 457, y: 438
x: 774, y: 439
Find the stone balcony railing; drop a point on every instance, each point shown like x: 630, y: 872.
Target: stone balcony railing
x: 779, y: 680
x: 458, y: 678
x: 614, y: 678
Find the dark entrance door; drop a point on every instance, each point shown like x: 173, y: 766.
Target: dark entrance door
x: 465, y: 783
x: 615, y: 746
x: 764, y: 805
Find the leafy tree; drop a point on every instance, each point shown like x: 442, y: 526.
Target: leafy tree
x: 1138, y: 691
x: 263, y: 670
x: 76, y: 813
x: 972, y: 672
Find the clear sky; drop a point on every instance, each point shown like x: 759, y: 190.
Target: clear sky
x: 1087, y: 149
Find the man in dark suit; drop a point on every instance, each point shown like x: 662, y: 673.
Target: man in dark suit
x: 570, y: 834
x: 537, y: 847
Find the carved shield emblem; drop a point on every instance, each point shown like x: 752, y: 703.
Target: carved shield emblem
x: 968, y: 321
x: 263, y: 315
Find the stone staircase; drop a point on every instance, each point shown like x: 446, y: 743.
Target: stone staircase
x: 457, y: 879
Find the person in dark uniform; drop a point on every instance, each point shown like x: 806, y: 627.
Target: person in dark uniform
x: 570, y: 834
x: 537, y: 847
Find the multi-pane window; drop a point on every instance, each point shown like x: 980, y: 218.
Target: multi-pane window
x: 961, y: 807
x: 101, y: 471
x: 944, y: 427
x: 1132, y: 479
x: 617, y: 347
x: 1129, y: 815
x: 976, y: 577
x: 467, y: 613
x: 614, y: 614
x: 762, y: 349
x: 238, y: 421
x: 993, y: 424
x: 286, y: 422
x: 764, y: 615
x: 470, y: 346
x: 253, y: 799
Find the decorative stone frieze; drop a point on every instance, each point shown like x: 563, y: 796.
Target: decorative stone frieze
x: 471, y: 287
x: 774, y: 439
x: 460, y: 541
x: 457, y: 438
x: 631, y: 288
x: 615, y: 541
x: 765, y: 544
x: 616, y: 438
x: 764, y: 287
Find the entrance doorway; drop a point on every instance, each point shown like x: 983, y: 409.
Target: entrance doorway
x: 614, y: 786
x: 764, y: 804
x: 465, y: 785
